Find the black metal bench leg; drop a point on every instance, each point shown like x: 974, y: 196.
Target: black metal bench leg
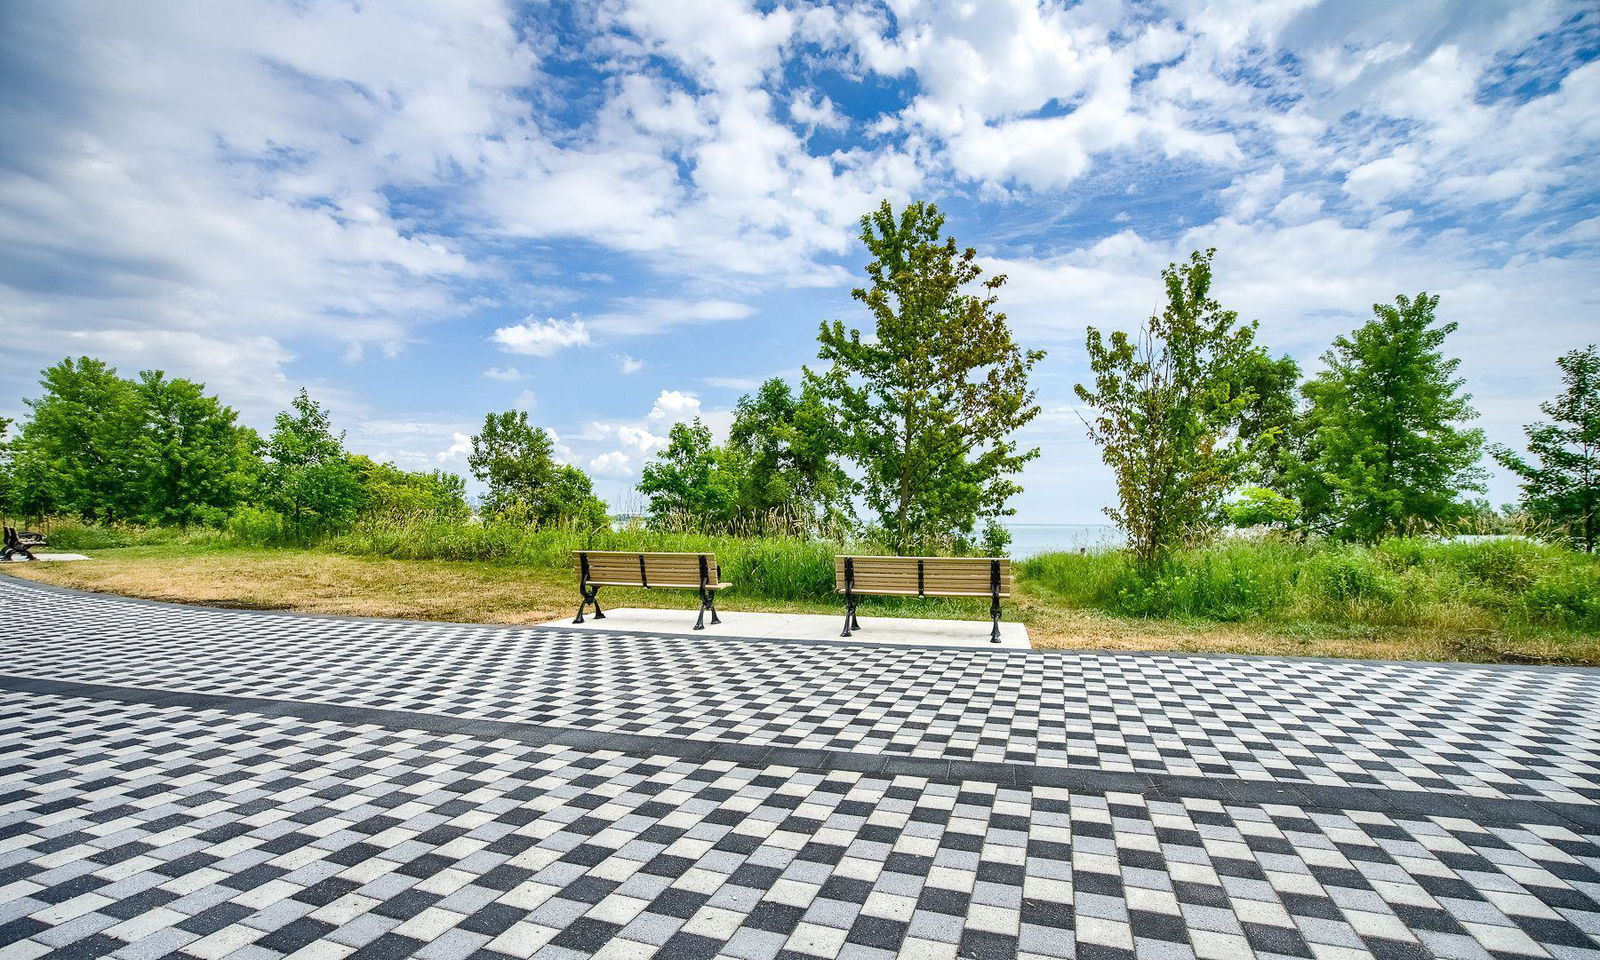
x: 855, y: 621
x: 700, y: 621
x: 714, y: 618
x: 589, y: 596
x: 994, y: 615
x: 849, y: 617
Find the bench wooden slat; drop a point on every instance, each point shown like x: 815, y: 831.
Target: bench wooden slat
x: 622, y: 568
x: 940, y: 576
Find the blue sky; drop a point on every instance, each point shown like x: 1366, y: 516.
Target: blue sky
x: 616, y: 215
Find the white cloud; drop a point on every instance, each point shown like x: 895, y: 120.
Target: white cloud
x: 460, y: 446
x: 673, y: 406
x: 814, y: 110
x: 613, y: 464
x: 641, y: 315
x: 627, y: 365
x: 1375, y: 182
x: 503, y: 373
x: 540, y: 338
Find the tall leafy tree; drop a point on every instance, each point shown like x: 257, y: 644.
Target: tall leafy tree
x: 308, y: 476
x: 6, y: 503
x: 1169, y: 405
x: 390, y: 492
x: 516, y: 461
x: 1561, y: 476
x: 75, y: 454
x: 692, y: 482
x: 193, y: 460
x: 789, y: 477
x: 927, y: 404
x: 1387, y: 447
x: 1268, y: 420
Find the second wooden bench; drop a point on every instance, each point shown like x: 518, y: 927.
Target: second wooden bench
x: 922, y: 577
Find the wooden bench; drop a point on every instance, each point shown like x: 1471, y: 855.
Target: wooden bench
x: 922, y: 577
x: 625, y: 568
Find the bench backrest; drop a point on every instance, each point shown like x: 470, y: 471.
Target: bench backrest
x: 924, y: 576
x: 645, y: 569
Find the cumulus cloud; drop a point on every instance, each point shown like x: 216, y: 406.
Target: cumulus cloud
x: 503, y: 373
x: 673, y: 406
x: 540, y: 338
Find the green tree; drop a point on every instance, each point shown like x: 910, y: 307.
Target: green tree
x: 308, y: 477
x: 75, y: 454
x: 1260, y: 507
x: 1169, y: 406
x: 1386, y: 448
x: 1267, y: 423
x: 927, y: 404
x: 193, y: 462
x: 692, y: 482
x: 1561, y: 483
x: 789, y: 477
x: 6, y: 506
x: 515, y: 460
x: 396, y: 494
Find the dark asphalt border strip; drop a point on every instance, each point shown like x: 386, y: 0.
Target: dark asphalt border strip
x: 1084, y: 780
x: 688, y: 634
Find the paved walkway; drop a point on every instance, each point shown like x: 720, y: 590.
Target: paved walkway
x: 199, y: 783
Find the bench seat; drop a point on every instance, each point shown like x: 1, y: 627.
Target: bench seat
x: 650, y: 571
x: 974, y: 577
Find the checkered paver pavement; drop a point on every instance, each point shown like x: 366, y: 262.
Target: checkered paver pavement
x: 420, y: 794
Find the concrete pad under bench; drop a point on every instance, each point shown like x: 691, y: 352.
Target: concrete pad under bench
x: 46, y: 556
x: 809, y: 626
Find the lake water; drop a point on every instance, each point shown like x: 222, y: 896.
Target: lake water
x: 1030, y: 539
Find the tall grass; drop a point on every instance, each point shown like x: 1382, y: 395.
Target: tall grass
x: 1405, y: 581
x: 781, y: 568
x: 1414, y: 581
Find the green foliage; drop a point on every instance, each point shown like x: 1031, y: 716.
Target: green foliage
x: 515, y: 460
x: 1260, y: 507
x: 789, y: 480
x: 193, y: 462
x: 263, y: 527
x: 1168, y: 409
x: 309, y: 478
x: 694, y: 484
x: 1267, y: 422
x: 152, y: 450
x: 74, y: 456
x: 5, y: 465
x: 926, y: 405
x: 76, y: 535
x: 1399, y: 582
x: 783, y: 568
x: 388, y: 491
x: 1561, y: 483
x: 1385, y: 450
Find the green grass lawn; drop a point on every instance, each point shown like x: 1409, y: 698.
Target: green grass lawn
x: 1273, y: 599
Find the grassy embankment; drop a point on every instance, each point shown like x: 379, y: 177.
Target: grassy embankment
x: 1496, y: 601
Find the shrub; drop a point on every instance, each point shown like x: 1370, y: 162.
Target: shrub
x: 1351, y: 574
x: 259, y: 526
x: 1567, y: 597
